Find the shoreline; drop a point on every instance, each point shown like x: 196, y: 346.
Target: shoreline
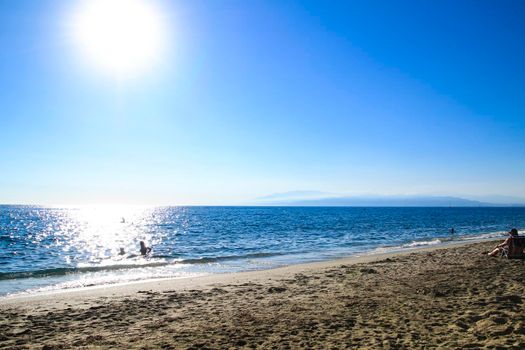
x: 449, y: 297
x: 208, y: 281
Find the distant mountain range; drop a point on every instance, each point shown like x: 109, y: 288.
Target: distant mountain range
x: 315, y: 198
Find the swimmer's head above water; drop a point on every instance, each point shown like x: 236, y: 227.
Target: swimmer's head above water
x: 143, y: 249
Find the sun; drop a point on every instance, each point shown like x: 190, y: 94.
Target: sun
x: 119, y: 36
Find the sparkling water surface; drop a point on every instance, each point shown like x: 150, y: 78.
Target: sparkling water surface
x: 47, y: 248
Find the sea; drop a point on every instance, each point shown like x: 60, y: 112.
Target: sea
x: 45, y: 249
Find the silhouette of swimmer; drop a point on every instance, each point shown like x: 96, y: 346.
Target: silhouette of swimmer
x: 143, y: 249
x: 122, y: 251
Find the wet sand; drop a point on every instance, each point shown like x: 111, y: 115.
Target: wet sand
x: 446, y: 298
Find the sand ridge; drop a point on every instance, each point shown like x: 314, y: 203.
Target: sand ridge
x: 447, y: 298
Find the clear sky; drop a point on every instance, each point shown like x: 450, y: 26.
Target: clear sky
x: 249, y: 98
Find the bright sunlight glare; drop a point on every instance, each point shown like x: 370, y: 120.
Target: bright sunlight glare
x: 120, y: 36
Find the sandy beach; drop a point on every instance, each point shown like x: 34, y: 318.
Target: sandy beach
x: 453, y: 297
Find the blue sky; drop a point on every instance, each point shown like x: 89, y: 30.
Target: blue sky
x: 250, y: 98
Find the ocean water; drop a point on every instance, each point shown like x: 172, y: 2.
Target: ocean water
x: 49, y: 248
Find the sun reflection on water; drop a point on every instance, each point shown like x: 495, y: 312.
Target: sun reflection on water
x: 99, y: 232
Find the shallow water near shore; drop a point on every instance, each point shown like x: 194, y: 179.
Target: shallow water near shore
x: 49, y: 248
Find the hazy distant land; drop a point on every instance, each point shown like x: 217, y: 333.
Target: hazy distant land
x: 317, y: 198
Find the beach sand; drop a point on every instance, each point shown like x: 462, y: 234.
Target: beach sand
x: 453, y: 297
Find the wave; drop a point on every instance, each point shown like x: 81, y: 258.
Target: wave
x: 415, y: 244
x: 122, y: 265
x: 205, y: 260
x: 489, y: 235
x: 437, y: 241
x: 61, y: 271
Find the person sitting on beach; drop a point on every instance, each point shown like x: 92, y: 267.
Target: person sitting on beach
x: 143, y: 249
x: 506, y: 245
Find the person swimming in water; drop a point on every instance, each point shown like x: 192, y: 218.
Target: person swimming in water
x: 143, y: 249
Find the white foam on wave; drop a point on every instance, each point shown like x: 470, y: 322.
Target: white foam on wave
x: 415, y: 244
x: 405, y: 246
x: 94, y: 280
x: 137, y: 261
x: 484, y: 236
x: 437, y: 241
